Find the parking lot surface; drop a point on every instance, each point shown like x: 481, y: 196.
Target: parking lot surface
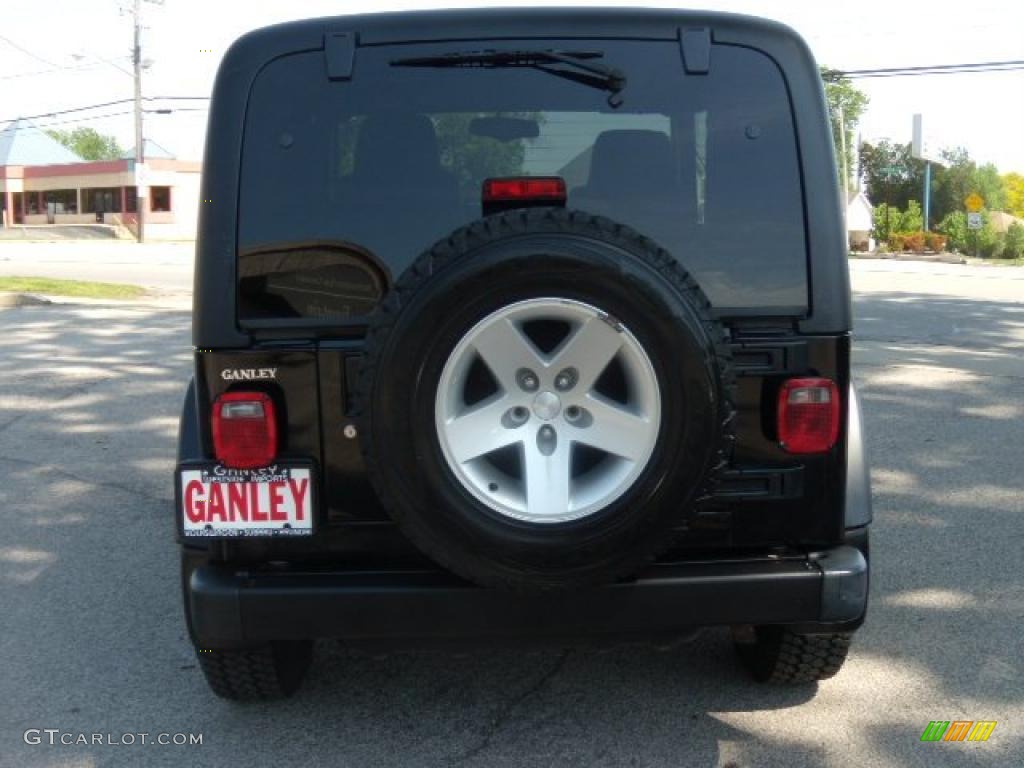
x: 93, y: 641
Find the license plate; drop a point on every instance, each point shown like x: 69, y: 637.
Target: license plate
x: 220, y: 502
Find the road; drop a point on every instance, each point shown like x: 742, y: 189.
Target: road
x: 93, y: 639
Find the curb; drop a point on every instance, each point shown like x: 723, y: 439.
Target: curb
x: 10, y: 300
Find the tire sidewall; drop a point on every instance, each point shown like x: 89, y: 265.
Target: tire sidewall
x: 433, y: 504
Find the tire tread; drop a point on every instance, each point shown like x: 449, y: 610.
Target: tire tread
x: 543, y: 221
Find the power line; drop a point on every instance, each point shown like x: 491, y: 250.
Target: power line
x: 80, y: 68
x: 938, y: 72
x: 75, y: 120
x: 936, y: 69
x: 56, y: 112
x: 27, y: 52
x: 41, y: 126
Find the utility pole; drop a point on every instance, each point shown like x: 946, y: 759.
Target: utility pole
x: 141, y: 190
x: 927, y: 192
x: 842, y: 147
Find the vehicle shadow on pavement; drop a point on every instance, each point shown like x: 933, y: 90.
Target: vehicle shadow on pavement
x: 941, y: 380
x: 554, y: 706
x: 95, y: 640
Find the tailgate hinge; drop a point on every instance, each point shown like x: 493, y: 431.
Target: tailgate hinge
x: 340, y: 54
x: 696, y: 47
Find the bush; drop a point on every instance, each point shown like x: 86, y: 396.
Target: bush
x: 1013, y: 242
x: 879, y: 230
x: 935, y: 241
x: 899, y: 221
x: 954, y: 227
x: 911, y: 219
x: 897, y: 242
x: 914, y: 241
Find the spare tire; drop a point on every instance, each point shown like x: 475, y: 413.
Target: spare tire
x: 545, y: 394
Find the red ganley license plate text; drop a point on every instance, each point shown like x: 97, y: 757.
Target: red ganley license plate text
x: 274, y: 501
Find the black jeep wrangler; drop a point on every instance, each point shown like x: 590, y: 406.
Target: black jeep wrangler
x: 515, y: 325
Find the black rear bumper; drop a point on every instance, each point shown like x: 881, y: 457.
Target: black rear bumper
x: 232, y: 608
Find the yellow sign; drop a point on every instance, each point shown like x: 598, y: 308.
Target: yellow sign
x: 974, y: 202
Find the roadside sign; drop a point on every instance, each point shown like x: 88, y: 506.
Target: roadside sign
x: 974, y: 220
x: 922, y: 144
x: 974, y: 202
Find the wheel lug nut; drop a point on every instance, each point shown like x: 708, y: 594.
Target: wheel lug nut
x: 515, y: 417
x: 547, y: 440
x: 566, y: 379
x: 527, y: 379
x: 572, y: 413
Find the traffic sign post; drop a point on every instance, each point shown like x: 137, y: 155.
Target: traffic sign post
x: 974, y: 203
x: 924, y: 149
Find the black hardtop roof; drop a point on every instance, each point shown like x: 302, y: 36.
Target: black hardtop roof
x: 214, y: 313
x: 496, y: 23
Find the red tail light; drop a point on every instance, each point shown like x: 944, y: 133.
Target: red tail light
x: 808, y: 413
x: 541, y: 189
x: 244, y: 430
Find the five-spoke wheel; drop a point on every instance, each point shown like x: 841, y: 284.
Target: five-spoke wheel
x: 548, y: 410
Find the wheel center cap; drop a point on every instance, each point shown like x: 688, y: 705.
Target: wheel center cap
x: 546, y: 405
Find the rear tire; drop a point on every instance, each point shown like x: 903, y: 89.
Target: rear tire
x: 267, y: 672
x: 774, y: 654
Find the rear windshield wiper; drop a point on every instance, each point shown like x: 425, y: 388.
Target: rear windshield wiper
x: 572, y: 65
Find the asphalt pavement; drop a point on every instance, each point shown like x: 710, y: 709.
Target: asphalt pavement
x: 92, y: 638
x: 163, y: 267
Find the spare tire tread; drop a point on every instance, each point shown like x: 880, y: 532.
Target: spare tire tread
x: 509, y: 224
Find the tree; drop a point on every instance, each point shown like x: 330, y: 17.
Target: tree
x: 89, y: 144
x: 961, y: 177
x: 843, y: 99
x: 474, y: 158
x: 890, y: 174
x: 989, y: 184
x: 1013, y: 183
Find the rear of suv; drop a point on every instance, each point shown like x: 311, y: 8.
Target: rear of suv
x: 519, y: 325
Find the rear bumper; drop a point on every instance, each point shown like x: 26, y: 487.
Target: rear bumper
x: 231, y: 608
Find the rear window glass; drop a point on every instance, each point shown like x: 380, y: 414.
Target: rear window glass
x: 373, y: 170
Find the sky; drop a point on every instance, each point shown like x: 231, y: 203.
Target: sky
x: 66, y: 53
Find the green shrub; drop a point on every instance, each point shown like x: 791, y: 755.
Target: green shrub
x: 985, y: 241
x: 954, y: 227
x: 911, y: 219
x: 1013, y: 242
x: 897, y: 242
x: 899, y: 221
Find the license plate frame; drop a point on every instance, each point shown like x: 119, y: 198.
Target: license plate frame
x: 271, y: 504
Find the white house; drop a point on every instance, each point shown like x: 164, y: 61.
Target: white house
x: 859, y: 222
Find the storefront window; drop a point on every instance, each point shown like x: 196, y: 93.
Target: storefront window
x: 161, y: 198
x: 61, y: 201
x: 105, y: 199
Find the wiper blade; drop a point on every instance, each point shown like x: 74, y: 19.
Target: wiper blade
x: 571, y: 65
